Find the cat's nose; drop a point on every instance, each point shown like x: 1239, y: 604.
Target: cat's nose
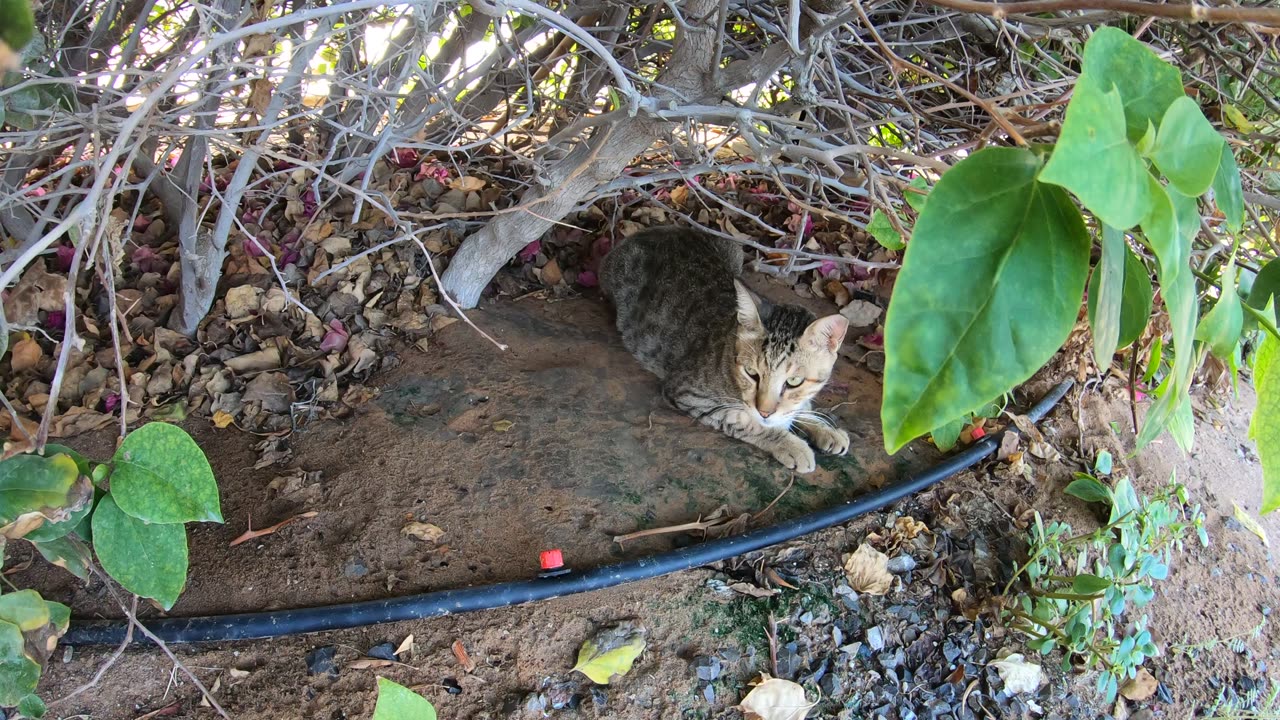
x: 765, y: 414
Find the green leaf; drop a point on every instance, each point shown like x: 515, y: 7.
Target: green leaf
x: 1147, y: 84
x: 17, y: 26
x: 161, y: 476
x: 1085, y: 584
x: 1265, y: 286
x: 610, y: 653
x: 32, y: 706
x: 1095, y: 160
x: 1182, y: 424
x: 34, y: 489
x: 883, y: 231
x: 1168, y: 230
x: 54, y: 530
x: 59, y: 617
x: 1265, y: 425
x: 82, y: 463
x: 959, y: 331
x: 917, y: 199
x: 64, y: 554
x: 24, y: 608
x: 1088, y: 489
x: 1188, y: 150
x: 946, y: 437
x: 1107, y: 284
x: 1227, y: 192
x: 1220, y: 327
x: 147, y: 559
x: 1135, y: 304
x: 1103, y: 462
x: 18, y: 672
x: 397, y: 702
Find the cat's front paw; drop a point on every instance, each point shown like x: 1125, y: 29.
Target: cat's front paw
x: 830, y: 440
x: 795, y: 454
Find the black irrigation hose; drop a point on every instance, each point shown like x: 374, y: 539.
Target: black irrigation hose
x: 253, y: 626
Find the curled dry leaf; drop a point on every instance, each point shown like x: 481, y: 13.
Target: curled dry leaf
x: 776, y: 699
x: 460, y: 652
x: 611, y: 653
x: 1019, y: 676
x: 750, y: 590
x: 466, y: 183
x: 861, y: 313
x: 369, y: 664
x: 425, y: 532
x: 867, y: 571
x: 1141, y: 687
x: 406, y: 648
x: 25, y: 355
x: 1250, y: 524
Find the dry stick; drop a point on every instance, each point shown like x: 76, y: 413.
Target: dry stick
x: 1192, y: 12
x: 17, y: 421
x: 449, y: 299
x: 134, y: 622
x: 107, y: 273
x: 895, y: 60
x: 102, y: 670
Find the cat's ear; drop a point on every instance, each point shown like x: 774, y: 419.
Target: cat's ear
x: 748, y: 313
x: 827, y: 333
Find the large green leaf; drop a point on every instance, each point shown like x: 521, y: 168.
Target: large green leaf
x: 147, y: 559
x: 161, y: 476
x: 1220, y: 327
x: 1265, y: 286
x: 397, y: 702
x: 974, y: 313
x: 1135, y: 304
x: 1227, y: 192
x: 34, y: 489
x: 1106, y: 292
x: 1147, y: 84
x: 1168, y: 229
x: 1095, y: 160
x: 75, y: 516
x: 18, y: 672
x: 1265, y: 425
x: 1187, y: 149
x: 17, y: 26
x: 24, y: 608
x: 883, y: 231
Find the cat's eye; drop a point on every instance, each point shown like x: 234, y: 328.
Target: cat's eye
x: 755, y: 377
x: 795, y: 382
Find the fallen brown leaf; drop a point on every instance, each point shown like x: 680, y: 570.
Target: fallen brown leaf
x: 1141, y: 687
x: 867, y: 571
x: 745, y: 588
x: 370, y: 664
x: 406, y: 646
x: 425, y: 532
x: 250, y: 534
x: 25, y: 355
x: 460, y: 652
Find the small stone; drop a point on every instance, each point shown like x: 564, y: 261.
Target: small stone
x: 806, y: 618
x: 901, y: 564
x: 355, y: 568
x: 321, y: 660
x: 831, y: 684
x: 709, y: 694
x: 788, y: 661
x: 451, y: 686
x: 599, y: 698
x: 535, y: 702
x: 875, y: 638
x: 708, y: 668
x: 385, y: 651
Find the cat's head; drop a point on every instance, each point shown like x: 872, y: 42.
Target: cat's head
x: 784, y: 357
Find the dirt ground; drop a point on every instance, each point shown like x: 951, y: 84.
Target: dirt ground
x: 562, y: 442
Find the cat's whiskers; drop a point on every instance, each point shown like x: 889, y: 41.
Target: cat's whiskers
x: 815, y: 417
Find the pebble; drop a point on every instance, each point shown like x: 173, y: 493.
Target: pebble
x: 788, y: 660
x: 708, y: 668
x: 385, y: 651
x: 709, y: 694
x: 355, y: 568
x: 598, y: 698
x: 875, y: 638
x: 321, y: 660
x: 832, y: 686
x: 451, y: 686
x: 901, y: 564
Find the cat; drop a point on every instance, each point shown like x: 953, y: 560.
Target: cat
x: 745, y: 367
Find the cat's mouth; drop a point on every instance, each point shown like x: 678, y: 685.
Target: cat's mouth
x: 779, y: 420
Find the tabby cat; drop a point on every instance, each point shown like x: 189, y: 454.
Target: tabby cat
x: 746, y: 367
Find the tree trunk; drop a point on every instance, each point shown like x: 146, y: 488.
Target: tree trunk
x: 688, y: 75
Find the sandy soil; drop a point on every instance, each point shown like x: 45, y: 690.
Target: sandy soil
x: 562, y: 442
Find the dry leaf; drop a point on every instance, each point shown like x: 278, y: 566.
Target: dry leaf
x: 861, y: 313
x: 423, y: 531
x: 25, y: 355
x: 250, y: 534
x: 503, y: 425
x: 217, y: 685
x: 776, y: 699
x: 369, y: 664
x: 1141, y: 687
x: 237, y: 674
x: 260, y: 95
x: 611, y: 653
x: 750, y: 590
x: 551, y: 274
x: 222, y: 418
x: 406, y: 646
x: 460, y: 652
x: 867, y: 570
x: 467, y: 183
x: 1250, y: 524
x: 1019, y: 676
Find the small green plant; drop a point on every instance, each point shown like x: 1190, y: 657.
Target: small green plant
x: 397, y: 702
x: 1251, y: 706
x: 129, y: 511
x: 1081, y: 587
